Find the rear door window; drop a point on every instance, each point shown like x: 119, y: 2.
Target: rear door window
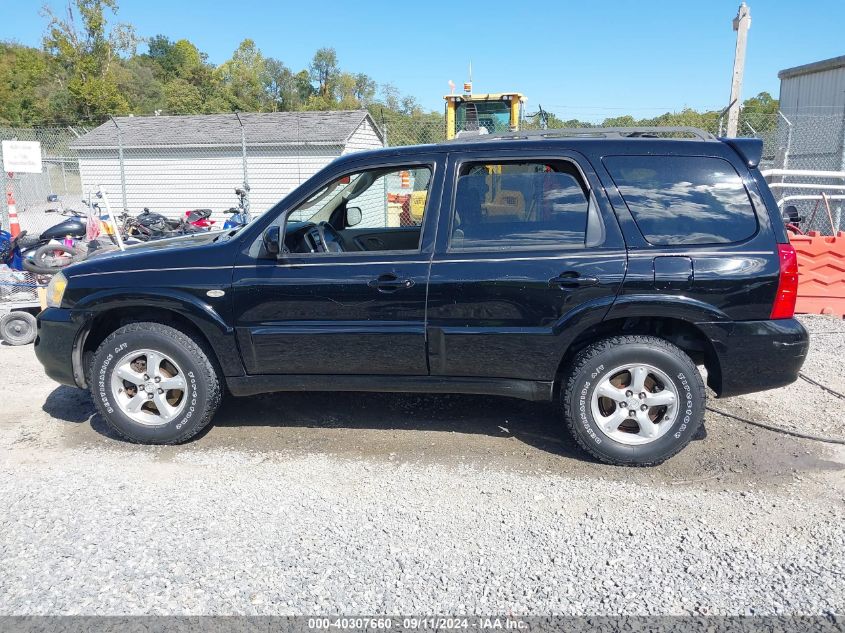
x: 519, y: 205
x: 683, y: 200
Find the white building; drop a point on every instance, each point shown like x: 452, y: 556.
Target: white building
x: 175, y: 163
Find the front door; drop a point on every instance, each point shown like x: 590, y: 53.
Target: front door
x: 527, y: 247
x: 349, y: 296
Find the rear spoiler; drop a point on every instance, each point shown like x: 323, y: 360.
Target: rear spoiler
x: 749, y: 149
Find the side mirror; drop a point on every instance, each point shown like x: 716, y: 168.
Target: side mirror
x: 273, y: 240
x: 353, y: 216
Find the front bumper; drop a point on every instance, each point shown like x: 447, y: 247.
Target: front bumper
x: 55, y: 345
x: 755, y: 355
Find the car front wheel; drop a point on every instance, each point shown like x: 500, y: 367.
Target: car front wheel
x: 154, y: 384
x: 633, y: 400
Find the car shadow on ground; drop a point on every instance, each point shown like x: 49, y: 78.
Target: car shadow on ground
x: 311, y: 419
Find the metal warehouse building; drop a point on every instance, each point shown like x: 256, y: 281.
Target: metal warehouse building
x: 174, y: 163
x: 812, y: 100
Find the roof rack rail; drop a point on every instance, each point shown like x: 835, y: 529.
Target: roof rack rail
x: 593, y: 132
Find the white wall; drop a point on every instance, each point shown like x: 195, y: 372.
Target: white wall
x: 364, y: 138
x: 172, y: 180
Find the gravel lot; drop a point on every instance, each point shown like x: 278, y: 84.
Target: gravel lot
x: 368, y: 503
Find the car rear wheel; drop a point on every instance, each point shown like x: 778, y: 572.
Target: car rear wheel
x: 154, y: 384
x: 633, y: 400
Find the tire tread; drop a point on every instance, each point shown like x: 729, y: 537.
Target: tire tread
x: 195, y: 349
x: 586, y: 355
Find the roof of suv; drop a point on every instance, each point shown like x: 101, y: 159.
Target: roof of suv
x: 624, y: 139
x: 668, y: 133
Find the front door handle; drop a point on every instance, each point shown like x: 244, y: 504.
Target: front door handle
x: 390, y: 282
x: 572, y: 279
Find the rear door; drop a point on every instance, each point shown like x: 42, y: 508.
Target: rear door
x: 527, y: 245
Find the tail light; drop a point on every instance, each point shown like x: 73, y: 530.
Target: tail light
x: 784, y: 306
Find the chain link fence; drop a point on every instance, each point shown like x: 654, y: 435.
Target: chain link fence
x: 59, y: 177
x: 176, y: 173
x: 808, y: 142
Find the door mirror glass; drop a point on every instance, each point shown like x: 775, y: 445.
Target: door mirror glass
x: 353, y: 216
x: 273, y: 240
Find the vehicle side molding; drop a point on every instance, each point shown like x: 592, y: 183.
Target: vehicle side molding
x: 535, y: 390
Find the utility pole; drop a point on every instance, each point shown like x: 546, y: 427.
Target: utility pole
x: 741, y: 24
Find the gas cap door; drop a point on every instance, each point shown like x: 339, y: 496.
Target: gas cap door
x: 673, y: 272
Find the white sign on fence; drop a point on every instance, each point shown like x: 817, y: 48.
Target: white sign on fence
x: 22, y: 157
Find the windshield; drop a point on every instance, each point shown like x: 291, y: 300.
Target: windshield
x: 494, y: 116
x: 309, y: 210
x: 368, y: 189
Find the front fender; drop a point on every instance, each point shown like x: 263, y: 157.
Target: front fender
x: 208, y: 315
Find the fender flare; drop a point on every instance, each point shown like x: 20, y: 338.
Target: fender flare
x: 659, y: 305
x: 204, y: 317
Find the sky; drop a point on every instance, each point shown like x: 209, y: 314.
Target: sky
x: 586, y: 60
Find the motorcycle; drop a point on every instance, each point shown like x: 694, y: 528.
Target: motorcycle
x: 200, y: 218
x: 240, y: 214
x: 10, y: 250
x: 154, y: 226
x: 57, y: 246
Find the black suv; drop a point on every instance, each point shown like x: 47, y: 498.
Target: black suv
x: 595, y: 267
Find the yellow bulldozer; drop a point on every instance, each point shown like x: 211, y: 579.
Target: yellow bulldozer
x: 472, y: 114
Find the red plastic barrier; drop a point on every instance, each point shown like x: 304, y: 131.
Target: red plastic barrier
x: 821, y: 273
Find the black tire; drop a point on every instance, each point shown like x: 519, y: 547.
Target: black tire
x: 37, y: 263
x: 203, y: 392
x: 18, y: 328
x: 598, y: 361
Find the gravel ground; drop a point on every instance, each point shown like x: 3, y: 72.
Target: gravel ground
x: 826, y: 365
x: 383, y: 503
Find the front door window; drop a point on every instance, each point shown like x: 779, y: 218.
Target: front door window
x: 371, y: 210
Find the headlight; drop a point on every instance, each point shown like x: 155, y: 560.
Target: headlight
x: 56, y: 290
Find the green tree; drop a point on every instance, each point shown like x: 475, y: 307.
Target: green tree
x: 84, y: 46
x: 174, y: 59
x: 365, y: 89
x: 243, y: 79
x: 138, y: 83
x: 324, y: 71
x: 763, y: 103
x: 760, y: 114
x: 345, y: 92
x: 182, y: 97
x: 281, y: 86
x: 25, y: 85
x: 302, y: 83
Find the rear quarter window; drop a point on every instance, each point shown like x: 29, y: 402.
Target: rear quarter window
x: 678, y: 200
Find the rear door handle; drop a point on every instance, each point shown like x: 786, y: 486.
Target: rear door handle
x: 390, y: 282
x: 572, y: 279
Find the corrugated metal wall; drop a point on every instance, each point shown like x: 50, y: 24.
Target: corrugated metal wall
x: 815, y: 105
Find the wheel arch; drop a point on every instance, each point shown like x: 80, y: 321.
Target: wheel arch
x: 197, y: 323
x: 684, y: 334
